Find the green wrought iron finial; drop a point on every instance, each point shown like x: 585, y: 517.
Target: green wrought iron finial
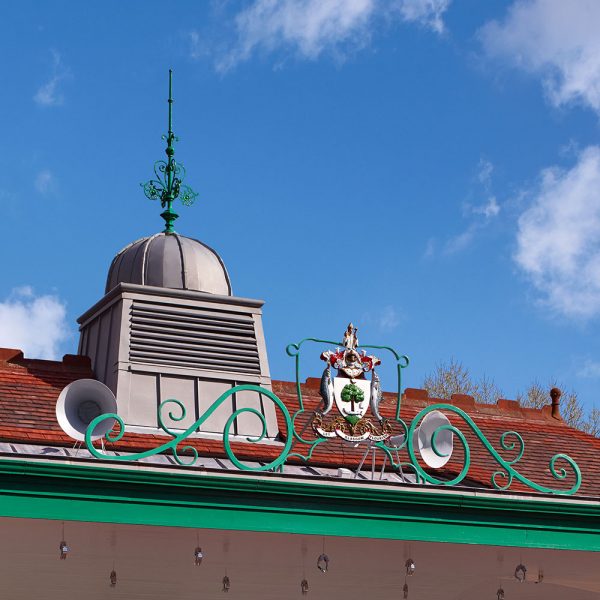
x: 168, y: 185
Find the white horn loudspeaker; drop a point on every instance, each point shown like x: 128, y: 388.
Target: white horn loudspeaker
x: 422, y: 440
x: 80, y: 403
x: 444, y: 440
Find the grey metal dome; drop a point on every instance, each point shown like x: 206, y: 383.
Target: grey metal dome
x: 170, y: 261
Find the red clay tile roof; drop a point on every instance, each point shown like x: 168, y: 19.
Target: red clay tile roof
x: 29, y: 390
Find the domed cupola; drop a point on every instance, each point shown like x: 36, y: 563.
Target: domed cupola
x: 170, y: 260
x: 168, y: 325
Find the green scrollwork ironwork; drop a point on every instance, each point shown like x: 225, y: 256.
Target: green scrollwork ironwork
x: 298, y: 447
x: 168, y: 184
x: 507, y: 470
x: 179, y: 414
x: 509, y: 440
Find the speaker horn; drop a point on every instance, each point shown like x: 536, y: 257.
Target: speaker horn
x: 80, y: 403
x: 444, y: 440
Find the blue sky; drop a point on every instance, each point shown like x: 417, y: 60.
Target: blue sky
x: 429, y: 169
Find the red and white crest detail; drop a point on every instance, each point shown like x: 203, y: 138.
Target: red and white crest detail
x: 352, y: 393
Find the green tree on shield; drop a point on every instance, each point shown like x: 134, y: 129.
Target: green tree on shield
x: 353, y: 394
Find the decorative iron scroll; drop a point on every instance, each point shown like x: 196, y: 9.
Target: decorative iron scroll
x: 510, y: 441
x: 297, y: 446
x: 168, y: 183
x: 187, y: 455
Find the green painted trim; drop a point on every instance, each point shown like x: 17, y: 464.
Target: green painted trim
x: 46, y: 490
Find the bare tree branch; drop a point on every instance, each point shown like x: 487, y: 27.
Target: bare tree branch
x: 453, y: 377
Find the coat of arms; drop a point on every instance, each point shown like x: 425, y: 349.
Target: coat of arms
x: 352, y: 394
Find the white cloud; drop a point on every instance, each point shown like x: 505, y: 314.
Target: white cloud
x: 388, y: 319
x: 425, y: 12
x: 489, y: 209
x: 49, y: 93
x: 35, y: 324
x: 44, y: 181
x: 385, y: 319
x: 461, y: 241
x: 484, y: 175
x: 26, y: 291
x: 480, y: 214
x: 430, y: 248
x: 197, y: 48
x: 555, y: 39
x: 309, y: 28
x: 590, y: 369
x: 558, y: 238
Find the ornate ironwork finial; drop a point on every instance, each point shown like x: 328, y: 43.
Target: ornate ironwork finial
x: 168, y: 185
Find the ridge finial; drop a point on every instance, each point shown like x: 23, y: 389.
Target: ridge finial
x: 168, y: 185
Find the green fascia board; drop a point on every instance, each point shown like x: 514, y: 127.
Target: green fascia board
x: 247, y: 502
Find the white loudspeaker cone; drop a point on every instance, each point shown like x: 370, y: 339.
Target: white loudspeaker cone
x: 80, y: 403
x: 444, y: 440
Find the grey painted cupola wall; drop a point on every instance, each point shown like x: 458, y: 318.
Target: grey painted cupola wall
x: 168, y: 327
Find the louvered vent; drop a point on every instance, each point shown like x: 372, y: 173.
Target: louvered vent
x: 193, y: 337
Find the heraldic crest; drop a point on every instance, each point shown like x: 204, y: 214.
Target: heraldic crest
x: 352, y: 394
